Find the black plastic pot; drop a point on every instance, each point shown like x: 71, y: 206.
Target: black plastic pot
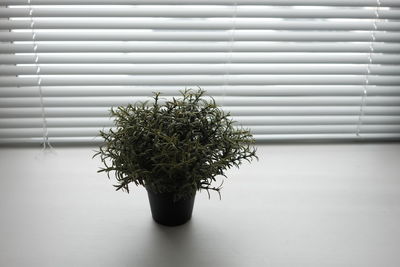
x: 167, y: 212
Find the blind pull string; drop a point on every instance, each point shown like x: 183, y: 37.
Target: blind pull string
x: 39, y: 79
x: 366, y: 84
x: 230, y: 50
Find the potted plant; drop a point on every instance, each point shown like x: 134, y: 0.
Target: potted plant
x: 173, y: 149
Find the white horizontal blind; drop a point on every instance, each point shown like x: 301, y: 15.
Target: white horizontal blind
x: 286, y: 69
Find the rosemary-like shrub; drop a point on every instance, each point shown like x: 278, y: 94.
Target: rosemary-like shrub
x: 178, y: 146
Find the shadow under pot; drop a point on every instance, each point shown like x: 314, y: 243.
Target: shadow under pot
x: 168, y: 212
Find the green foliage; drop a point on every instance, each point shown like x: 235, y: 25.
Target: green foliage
x: 179, y: 146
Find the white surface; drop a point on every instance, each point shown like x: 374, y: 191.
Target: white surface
x: 300, y: 205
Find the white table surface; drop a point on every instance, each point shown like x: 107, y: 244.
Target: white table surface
x: 300, y: 205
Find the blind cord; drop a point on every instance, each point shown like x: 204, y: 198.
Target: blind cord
x: 368, y: 72
x: 46, y: 142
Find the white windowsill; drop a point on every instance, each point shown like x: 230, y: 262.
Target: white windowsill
x: 300, y: 205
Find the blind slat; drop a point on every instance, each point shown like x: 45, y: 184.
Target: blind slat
x: 239, y: 35
x: 362, y: 3
x: 182, y: 46
x: 281, y: 129
x: 217, y: 57
x: 243, y: 120
x: 225, y: 100
x: 24, y: 112
x: 259, y: 137
x: 201, y: 11
x: 200, y: 80
x: 214, y: 24
x: 309, y: 137
x: 233, y: 90
x: 212, y: 69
